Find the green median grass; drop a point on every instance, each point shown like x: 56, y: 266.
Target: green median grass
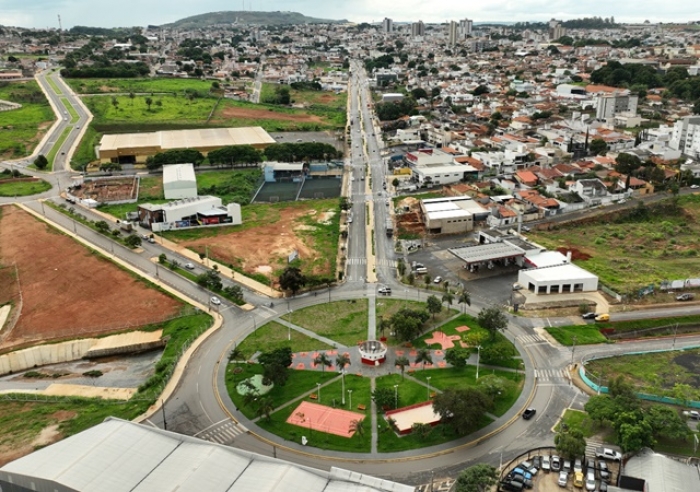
x: 71, y: 110
x: 584, y: 334
x: 51, y: 157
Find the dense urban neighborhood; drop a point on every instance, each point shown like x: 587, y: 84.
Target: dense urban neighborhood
x: 218, y: 234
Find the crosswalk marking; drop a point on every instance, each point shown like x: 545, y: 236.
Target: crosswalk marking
x: 531, y: 339
x: 223, y: 433
x: 386, y: 262
x: 548, y: 374
x: 357, y: 261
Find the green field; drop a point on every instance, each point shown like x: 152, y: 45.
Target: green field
x: 344, y: 322
x: 585, y: 334
x: 138, y: 86
x: 23, y: 188
x: 629, y: 253
x: 273, y: 335
x: 22, y: 129
x: 672, y: 373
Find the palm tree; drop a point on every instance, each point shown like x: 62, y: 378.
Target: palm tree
x: 448, y: 297
x: 464, y: 299
x: 323, y: 359
x: 357, y: 426
x: 445, y: 285
x: 236, y: 354
x: 251, y: 394
x: 424, y: 356
x: 341, y: 361
x: 383, y: 324
x: 402, y: 362
x: 265, y: 407
x: 421, y: 430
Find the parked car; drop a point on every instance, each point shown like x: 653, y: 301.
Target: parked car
x: 603, y: 470
x: 603, y: 317
x: 566, y: 466
x: 546, y: 464
x: 537, y: 462
x: 694, y: 187
x: 578, y: 480
x: 517, y: 286
x: 215, y: 300
x: 437, y: 280
x: 692, y: 414
x: 556, y: 463
x: 603, y: 487
x: 589, y: 315
x: 607, y: 454
x: 511, y: 486
x: 526, y: 481
x: 578, y: 465
x: 685, y: 297
x: 563, y: 479
x: 529, y: 413
x: 590, y: 481
x: 529, y: 467
x: 520, y: 471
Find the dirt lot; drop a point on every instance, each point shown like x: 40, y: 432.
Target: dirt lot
x: 108, y: 189
x: 264, y: 114
x: 266, y: 247
x: 67, y: 291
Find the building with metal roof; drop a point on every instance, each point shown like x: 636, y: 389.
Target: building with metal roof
x: 136, y: 147
x: 659, y: 473
x: 120, y: 456
x: 179, y: 181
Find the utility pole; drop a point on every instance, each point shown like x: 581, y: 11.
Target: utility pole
x: 573, y: 350
x: 478, y: 357
x: 162, y: 407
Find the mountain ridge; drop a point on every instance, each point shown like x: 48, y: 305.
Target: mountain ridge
x: 247, y: 18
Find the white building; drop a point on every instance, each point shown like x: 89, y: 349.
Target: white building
x: 446, y: 215
x: 610, y: 105
x: 189, y: 212
x: 559, y: 279
x: 387, y: 25
x: 179, y: 181
x: 686, y: 136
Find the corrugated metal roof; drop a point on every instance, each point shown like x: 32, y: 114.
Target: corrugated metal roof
x: 662, y: 473
x: 181, y: 139
x: 486, y: 252
x: 119, y: 455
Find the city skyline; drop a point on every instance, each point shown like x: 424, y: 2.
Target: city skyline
x: 44, y: 13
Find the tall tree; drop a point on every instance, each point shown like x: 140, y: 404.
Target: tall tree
x: 292, y: 279
x: 434, y: 305
x: 276, y: 364
x: 265, y: 407
x: 41, y: 162
x: 570, y: 444
x: 341, y: 361
x: 448, y: 298
x: 465, y: 299
x: 323, y: 360
x: 358, y: 427
x: 477, y: 478
x: 492, y: 319
x: 422, y: 356
x: 461, y: 408
x: 402, y: 362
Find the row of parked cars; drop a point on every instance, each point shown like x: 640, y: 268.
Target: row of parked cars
x: 594, y: 477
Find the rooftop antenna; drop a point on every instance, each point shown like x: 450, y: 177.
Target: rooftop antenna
x: 60, y: 27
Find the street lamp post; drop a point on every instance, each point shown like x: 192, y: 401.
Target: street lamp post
x: 396, y: 396
x: 342, y: 384
x: 573, y: 349
x: 318, y: 385
x: 428, y: 379
x: 478, y: 357
x: 350, y: 398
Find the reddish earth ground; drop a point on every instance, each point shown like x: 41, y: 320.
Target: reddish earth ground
x: 66, y: 291
x: 108, y: 189
x: 258, y: 249
x: 264, y: 114
x: 576, y: 254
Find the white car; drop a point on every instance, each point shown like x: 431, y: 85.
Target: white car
x: 189, y: 266
x: 215, y: 300
x: 607, y: 454
x: 694, y: 187
x: 438, y: 279
x: 563, y: 478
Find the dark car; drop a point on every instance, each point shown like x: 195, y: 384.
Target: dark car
x: 588, y: 316
x: 529, y: 413
x: 511, y: 486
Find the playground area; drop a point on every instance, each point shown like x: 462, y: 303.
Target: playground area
x: 316, y: 187
x: 321, y: 418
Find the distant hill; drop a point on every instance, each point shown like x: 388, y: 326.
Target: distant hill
x: 247, y: 18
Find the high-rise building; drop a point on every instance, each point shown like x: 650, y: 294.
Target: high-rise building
x: 452, y: 33
x: 387, y: 25
x: 417, y: 29
x: 609, y: 106
x: 465, y: 27
x: 686, y: 136
x: 555, y: 29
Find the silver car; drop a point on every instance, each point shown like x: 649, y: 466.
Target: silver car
x: 563, y: 479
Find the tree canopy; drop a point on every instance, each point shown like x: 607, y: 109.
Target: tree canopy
x: 492, y: 319
x: 461, y: 408
x: 477, y: 478
x: 292, y: 279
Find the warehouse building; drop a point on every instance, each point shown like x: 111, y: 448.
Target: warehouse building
x: 553, y: 273
x: 118, y: 455
x: 189, y: 212
x: 129, y: 148
x: 447, y: 215
x: 179, y: 181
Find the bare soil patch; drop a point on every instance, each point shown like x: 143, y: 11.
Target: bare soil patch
x: 68, y: 291
x: 264, y: 114
x: 576, y: 254
x: 264, y: 248
x: 105, y: 190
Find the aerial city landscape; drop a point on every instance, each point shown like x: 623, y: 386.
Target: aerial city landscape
x: 349, y: 249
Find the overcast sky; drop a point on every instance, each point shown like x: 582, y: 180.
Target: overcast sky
x: 111, y: 13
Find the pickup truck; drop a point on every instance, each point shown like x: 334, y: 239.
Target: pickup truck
x: 607, y: 454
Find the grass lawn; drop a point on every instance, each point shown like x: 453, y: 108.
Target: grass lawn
x: 641, y: 324
x: 388, y: 307
x: 23, y: 128
x: 300, y: 382
x: 576, y: 419
x: 655, y: 373
x: 85, y: 153
x: 273, y: 335
x: 23, y: 188
x: 460, y: 378
x: 344, y: 322
x: 410, y: 392
x: 585, y: 334
x: 138, y: 85
x: 630, y: 253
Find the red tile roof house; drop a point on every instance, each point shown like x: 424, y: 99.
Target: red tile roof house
x: 527, y: 178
